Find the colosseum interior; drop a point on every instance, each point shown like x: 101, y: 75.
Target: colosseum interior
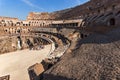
x: 84, y: 42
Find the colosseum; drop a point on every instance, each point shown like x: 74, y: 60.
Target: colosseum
x: 79, y: 43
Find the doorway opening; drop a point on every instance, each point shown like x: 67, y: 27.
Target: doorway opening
x: 112, y: 22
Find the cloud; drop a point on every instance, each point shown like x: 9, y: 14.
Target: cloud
x: 29, y: 3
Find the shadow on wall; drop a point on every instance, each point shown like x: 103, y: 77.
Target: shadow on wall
x: 36, y: 71
x: 7, y: 77
x: 33, y: 76
x: 53, y: 77
x: 47, y: 77
x: 109, y: 37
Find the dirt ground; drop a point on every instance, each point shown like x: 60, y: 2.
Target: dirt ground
x: 16, y: 63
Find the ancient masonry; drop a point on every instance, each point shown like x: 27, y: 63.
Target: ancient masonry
x: 65, y: 26
x: 94, y: 12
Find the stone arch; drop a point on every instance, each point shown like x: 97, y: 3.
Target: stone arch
x: 9, y: 30
x: 82, y: 35
x: 12, y: 30
x: 3, y: 21
x: 15, y: 30
x: 113, y: 7
x: 7, y: 23
x: 18, y: 23
x: 18, y: 31
x: 28, y: 30
x: 99, y: 11
x: 43, y: 24
x: 30, y: 23
x: 21, y: 23
x: 112, y: 21
x: 11, y: 23
x: 6, y: 30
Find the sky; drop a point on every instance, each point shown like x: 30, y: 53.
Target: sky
x: 21, y: 8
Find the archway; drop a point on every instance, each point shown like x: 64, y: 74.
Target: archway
x: 82, y: 35
x: 18, y: 31
x: 18, y: 23
x: 112, y: 22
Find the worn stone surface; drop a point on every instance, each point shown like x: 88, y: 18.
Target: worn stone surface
x: 96, y: 58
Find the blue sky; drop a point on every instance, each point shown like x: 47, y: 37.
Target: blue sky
x: 21, y: 8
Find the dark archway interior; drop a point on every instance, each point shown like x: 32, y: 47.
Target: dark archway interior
x: 82, y: 36
x: 112, y: 22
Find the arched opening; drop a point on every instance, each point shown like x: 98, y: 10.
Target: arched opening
x: 6, y: 30
x: 105, y: 9
x: 12, y: 24
x: 112, y: 22
x: 98, y: 11
x: 85, y: 35
x: 18, y: 31
x: 18, y: 23
x: 82, y: 35
x: 113, y: 7
x: 23, y: 24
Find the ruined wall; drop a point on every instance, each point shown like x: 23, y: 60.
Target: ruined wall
x: 39, y: 16
x: 92, y: 13
x: 10, y: 22
x: 102, y: 14
x: 90, y: 8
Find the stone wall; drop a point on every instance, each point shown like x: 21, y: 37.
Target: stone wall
x: 93, y: 13
x: 10, y: 22
x: 91, y: 8
x: 39, y: 16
